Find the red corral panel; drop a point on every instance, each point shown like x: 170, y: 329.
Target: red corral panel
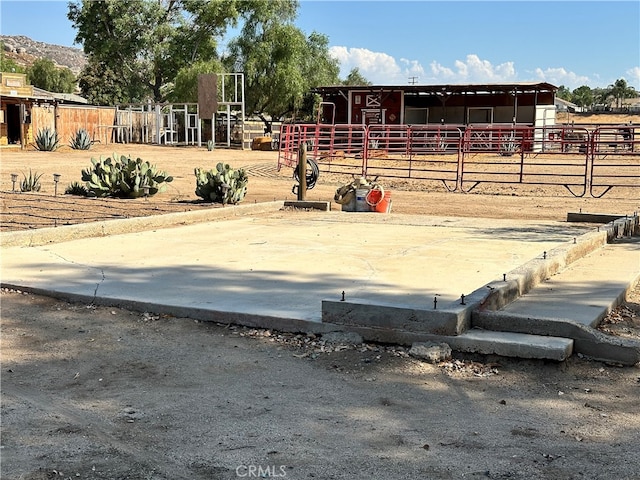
x: 582, y: 160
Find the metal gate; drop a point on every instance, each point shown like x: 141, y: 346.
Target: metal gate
x: 583, y: 160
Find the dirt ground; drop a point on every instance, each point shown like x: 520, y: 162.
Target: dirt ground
x: 105, y: 393
x: 23, y: 210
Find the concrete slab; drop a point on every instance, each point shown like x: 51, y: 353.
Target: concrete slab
x: 283, y: 264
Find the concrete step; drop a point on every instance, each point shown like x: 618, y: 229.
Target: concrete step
x: 586, y: 339
x: 571, y: 303
x: 511, y: 344
x: 507, y: 344
x: 583, y: 292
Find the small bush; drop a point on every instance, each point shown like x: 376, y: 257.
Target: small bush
x: 76, y: 188
x: 222, y: 185
x: 81, y: 140
x: 47, y: 140
x: 31, y: 183
x: 123, y: 177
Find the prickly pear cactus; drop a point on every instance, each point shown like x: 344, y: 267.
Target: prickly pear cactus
x: 124, y: 177
x: 222, y: 185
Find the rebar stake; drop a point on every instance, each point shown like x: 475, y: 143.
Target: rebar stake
x: 342, y: 296
x: 544, y: 255
x: 504, y: 277
x: 462, y: 299
x: 435, y: 302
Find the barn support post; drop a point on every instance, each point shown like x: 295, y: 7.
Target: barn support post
x: 242, y: 109
x: 199, y: 120
x: 22, y: 109
x: 228, y: 125
x: 213, y: 127
x: 158, y: 115
x: 302, y: 172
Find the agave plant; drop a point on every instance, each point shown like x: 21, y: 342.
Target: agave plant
x: 81, y: 141
x: 77, y: 188
x: 210, y: 145
x: 31, y: 183
x: 47, y: 140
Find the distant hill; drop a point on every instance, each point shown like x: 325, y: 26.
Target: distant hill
x: 25, y: 51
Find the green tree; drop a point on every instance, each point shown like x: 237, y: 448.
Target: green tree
x: 281, y: 64
x: 355, y: 78
x: 564, y: 93
x: 100, y: 85
x: 620, y: 91
x: 7, y: 64
x: 185, y: 87
x: 147, y: 42
x: 67, y: 81
x: 43, y: 73
x: 582, y: 96
x: 600, y: 96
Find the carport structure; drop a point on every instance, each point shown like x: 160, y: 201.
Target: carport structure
x: 525, y: 103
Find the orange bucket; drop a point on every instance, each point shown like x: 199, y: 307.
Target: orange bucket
x: 379, y: 200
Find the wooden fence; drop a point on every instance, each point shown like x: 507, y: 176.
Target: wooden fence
x: 68, y: 119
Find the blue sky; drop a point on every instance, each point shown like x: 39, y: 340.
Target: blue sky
x: 569, y: 43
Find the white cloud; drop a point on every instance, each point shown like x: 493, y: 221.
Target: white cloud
x: 383, y: 69
x: 560, y: 76
x: 441, y: 72
x: 634, y: 77
x: 412, y: 67
x: 474, y: 70
x: 377, y: 67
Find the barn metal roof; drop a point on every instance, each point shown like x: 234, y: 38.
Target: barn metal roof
x: 40, y: 95
x: 58, y: 97
x: 447, y: 89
